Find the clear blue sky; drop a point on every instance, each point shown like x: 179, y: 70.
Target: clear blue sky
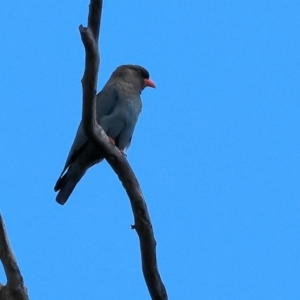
x: 216, y: 149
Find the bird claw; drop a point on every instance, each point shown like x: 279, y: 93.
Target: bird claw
x: 112, y: 141
x: 123, y: 153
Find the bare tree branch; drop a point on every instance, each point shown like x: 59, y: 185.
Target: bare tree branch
x: 14, y: 288
x: 118, y: 162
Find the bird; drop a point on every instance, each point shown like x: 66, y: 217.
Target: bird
x: 118, y: 106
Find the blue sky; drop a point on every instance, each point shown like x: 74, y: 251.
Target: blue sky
x: 216, y: 149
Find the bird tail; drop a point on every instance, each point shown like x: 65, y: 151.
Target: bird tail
x: 66, y: 183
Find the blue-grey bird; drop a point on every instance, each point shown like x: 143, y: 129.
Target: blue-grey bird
x: 118, y: 106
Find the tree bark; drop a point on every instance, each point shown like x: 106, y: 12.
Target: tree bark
x: 14, y: 288
x: 118, y: 162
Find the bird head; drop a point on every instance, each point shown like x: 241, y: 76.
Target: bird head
x: 135, y: 75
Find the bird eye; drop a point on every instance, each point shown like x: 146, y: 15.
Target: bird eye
x: 139, y: 71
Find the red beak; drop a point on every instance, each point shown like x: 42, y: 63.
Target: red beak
x: 150, y: 83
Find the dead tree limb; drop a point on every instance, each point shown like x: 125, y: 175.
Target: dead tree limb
x: 118, y: 162
x: 14, y: 288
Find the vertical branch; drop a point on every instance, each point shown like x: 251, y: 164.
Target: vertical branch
x: 94, y: 132
x: 94, y: 18
x: 14, y: 288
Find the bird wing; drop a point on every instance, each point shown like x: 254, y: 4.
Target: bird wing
x: 119, y: 125
x: 107, y: 100
x: 105, y: 104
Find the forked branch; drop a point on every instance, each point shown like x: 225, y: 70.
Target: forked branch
x: 118, y: 162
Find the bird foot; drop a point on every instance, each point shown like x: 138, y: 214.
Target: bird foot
x: 112, y: 141
x: 123, y: 153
